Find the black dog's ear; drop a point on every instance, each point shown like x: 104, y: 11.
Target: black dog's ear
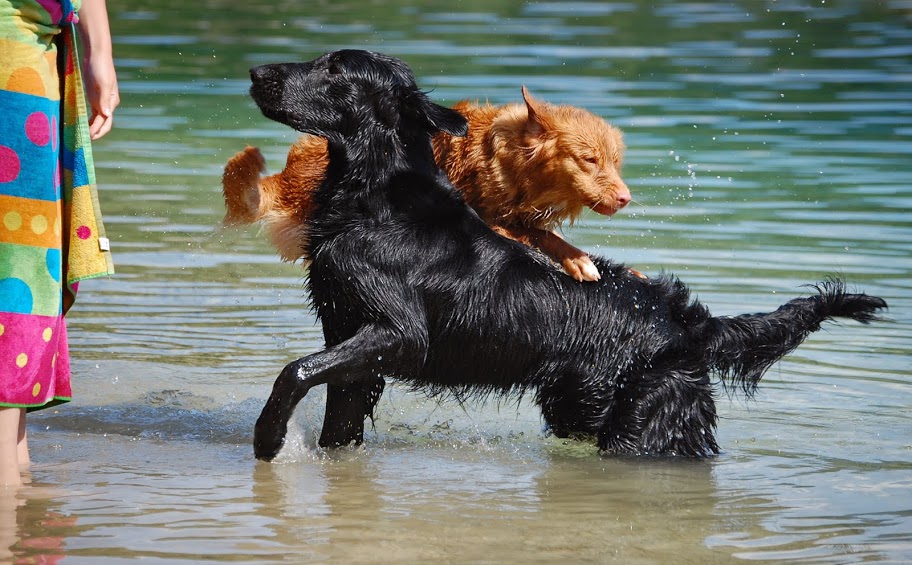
x: 437, y: 117
x: 446, y: 120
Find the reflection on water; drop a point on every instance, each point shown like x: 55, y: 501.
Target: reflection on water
x: 768, y: 146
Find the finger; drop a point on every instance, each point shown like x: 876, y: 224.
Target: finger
x: 100, y: 126
x: 106, y: 126
x: 94, y: 123
x: 103, y: 126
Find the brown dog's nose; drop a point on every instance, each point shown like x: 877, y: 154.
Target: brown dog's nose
x: 624, y: 197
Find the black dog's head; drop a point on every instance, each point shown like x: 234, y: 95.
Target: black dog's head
x: 339, y: 94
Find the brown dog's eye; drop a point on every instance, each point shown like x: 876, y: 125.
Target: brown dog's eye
x: 592, y: 160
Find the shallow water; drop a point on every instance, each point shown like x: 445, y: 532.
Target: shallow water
x: 769, y: 145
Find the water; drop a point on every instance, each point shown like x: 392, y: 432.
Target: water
x: 769, y: 145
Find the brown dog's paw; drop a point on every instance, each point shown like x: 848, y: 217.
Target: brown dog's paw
x: 636, y: 273
x: 240, y: 186
x: 581, y: 268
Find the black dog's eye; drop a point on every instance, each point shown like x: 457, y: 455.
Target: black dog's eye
x: 334, y: 69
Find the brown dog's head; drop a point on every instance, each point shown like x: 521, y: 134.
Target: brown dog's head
x: 576, y: 157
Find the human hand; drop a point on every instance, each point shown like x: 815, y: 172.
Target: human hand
x: 102, y: 93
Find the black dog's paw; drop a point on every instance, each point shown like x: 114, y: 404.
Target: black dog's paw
x: 268, y: 439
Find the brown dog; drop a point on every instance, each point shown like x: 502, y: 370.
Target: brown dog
x: 525, y: 168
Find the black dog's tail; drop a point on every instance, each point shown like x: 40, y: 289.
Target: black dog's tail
x: 742, y: 348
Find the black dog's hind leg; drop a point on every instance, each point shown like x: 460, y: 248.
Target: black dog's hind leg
x: 347, y: 405
x: 672, y: 414
x: 573, y: 404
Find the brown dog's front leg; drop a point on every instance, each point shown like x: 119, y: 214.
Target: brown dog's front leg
x: 574, y: 261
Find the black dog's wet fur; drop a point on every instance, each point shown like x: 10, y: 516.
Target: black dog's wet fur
x: 410, y: 283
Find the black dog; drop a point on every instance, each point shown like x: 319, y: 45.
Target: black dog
x: 410, y: 283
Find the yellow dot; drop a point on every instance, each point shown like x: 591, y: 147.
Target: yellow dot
x: 12, y: 221
x: 39, y: 224
x: 21, y: 360
x: 1, y: 329
x: 46, y: 335
x: 36, y: 389
x: 54, y: 361
x: 57, y: 228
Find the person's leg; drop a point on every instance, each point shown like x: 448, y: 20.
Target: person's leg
x: 9, y: 447
x: 22, y: 443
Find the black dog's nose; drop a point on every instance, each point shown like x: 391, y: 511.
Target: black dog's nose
x: 258, y: 72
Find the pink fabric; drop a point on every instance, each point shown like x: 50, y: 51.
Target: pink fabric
x: 54, y: 9
x: 32, y: 378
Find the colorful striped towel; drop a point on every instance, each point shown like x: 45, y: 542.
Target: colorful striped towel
x: 51, y: 235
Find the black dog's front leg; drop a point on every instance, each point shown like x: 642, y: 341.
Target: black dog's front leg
x: 338, y: 364
x: 356, y: 361
x: 272, y: 425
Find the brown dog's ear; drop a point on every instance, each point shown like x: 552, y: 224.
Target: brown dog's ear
x: 537, y: 124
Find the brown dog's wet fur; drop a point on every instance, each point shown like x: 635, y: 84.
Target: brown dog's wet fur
x: 525, y: 169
